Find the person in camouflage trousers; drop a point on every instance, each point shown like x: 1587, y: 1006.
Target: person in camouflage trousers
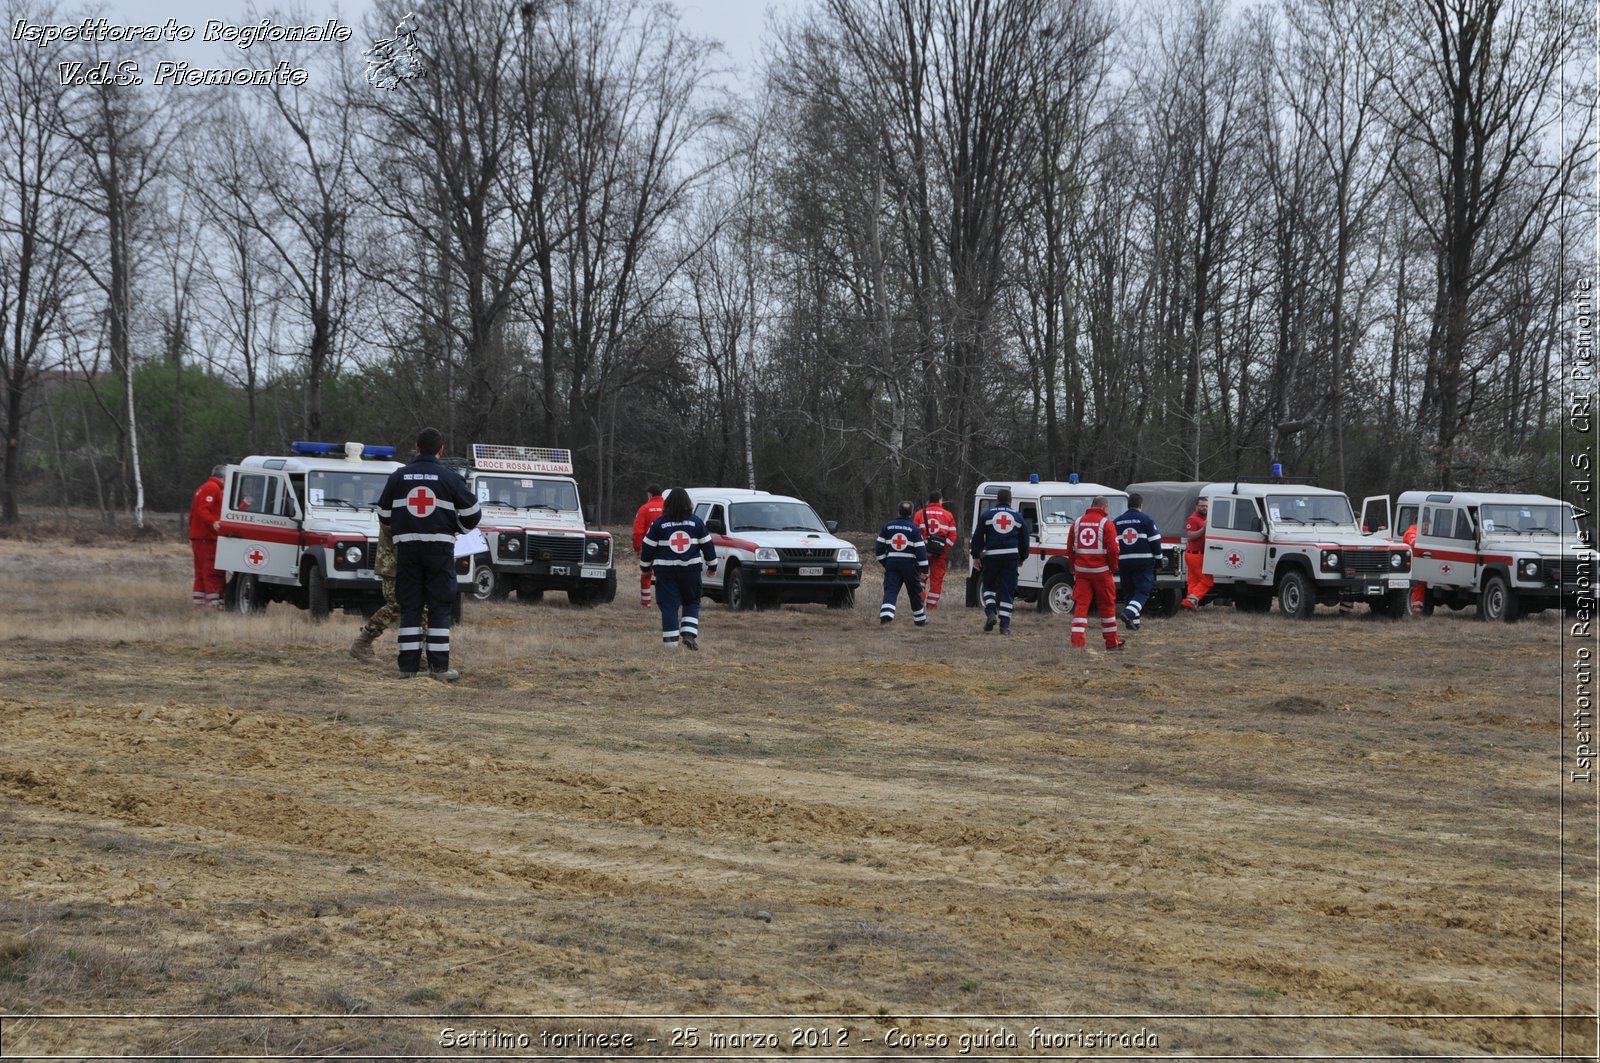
x: 388, y: 614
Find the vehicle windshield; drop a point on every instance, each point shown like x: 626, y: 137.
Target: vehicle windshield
x: 1064, y: 509
x: 1528, y: 520
x: 345, y: 490
x: 524, y: 492
x: 1309, y: 509
x: 773, y: 516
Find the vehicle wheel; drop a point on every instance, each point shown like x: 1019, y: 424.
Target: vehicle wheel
x: 1247, y: 601
x: 246, y: 594
x: 530, y: 597
x: 487, y: 585
x: 316, y: 593
x: 1296, y: 598
x: 583, y: 597
x: 1427, y: 605
x: 1498, y: 601
x: 843, y: 599
x: 608, y: 594
x: 1057, y: 596
x: 737, y: 591
x: 1394, y: 604
x: 974, y: 589
x: 1166, y: 603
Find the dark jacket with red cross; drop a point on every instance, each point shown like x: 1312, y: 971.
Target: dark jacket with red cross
x: 426, y: 504
x: 1001, y: 534
x: 901, y: 541
x: 672, y: 546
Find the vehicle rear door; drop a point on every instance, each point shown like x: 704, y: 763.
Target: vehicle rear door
x: 1236, y: 539
x: 260, y: 531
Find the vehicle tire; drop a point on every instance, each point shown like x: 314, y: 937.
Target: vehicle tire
x: 974, y: 589
x: 487, y: 586
x: 1498, y: 601
x: 843, y: 599
x: 583, y: 597
x: 736, y: 590
x: 245, y: 594
x: 1427, y: 605
x: 530, y: 597
x: 1057, y: 595
x: 608, y: 594
x: 1296, y: 597
x: 1395, y: 605
x: 1166, y: 603
x: 1246, y: 600
x: 316, y: 593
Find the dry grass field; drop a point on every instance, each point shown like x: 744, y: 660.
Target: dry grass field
x: 1245, y: 836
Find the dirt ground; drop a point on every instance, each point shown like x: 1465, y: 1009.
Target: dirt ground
x: 1245, y: 836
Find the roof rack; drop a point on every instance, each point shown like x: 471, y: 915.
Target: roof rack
x: 505, y: 457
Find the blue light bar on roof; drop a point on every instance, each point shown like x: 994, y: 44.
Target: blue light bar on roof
x: 308, y: 449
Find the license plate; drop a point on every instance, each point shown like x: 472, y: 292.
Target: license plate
x: 594, y: 573
x: 560, y: 570
x: 811, y: 570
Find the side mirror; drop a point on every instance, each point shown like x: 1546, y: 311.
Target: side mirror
x: 831, y: 525
x: 716, y: 527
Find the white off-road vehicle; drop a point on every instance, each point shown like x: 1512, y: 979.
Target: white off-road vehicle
x: 1296, y: 542
x: 1049, y: 507
x: 533, y: 523
x: 1507, y: 554
x: 302, y: 528
x: 774, y: 548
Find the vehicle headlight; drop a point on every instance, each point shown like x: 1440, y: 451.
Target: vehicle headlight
x: 592, y: 548
x: 1398, y: 560
x: 511, y: 545
x: 1530, y: 570
x: 353, y: 555
x: 848, y: 553
x: 766, y: 553
x: 1330, y: 559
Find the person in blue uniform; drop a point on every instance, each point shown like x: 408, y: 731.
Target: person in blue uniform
x: 904, y: 556
x: 999, y: 546
x: 1139, y: 541
x: 677, y: 550
x: 425, y: 506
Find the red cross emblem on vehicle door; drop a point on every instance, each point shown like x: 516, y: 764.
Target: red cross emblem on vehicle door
x: 899, y: 541
x: 255, y: 558
x: 1445, y: 569
x: 1234, y: 560
x: 679, y: 542
x: 1128, y: 536
x: 421, y: 501
x: 1003, y: 523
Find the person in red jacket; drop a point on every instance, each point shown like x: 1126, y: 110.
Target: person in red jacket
x: 1093, y: 553
x: 205, y: 514
x: 1419, y: 591
x: 653, y: 505
x: 936, y: 524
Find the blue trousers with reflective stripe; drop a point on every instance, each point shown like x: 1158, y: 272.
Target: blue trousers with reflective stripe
x: 678, y: 589
x: 1138, y: 580
x: 999, y: 585
x: 424, y: 578
x: 899, y: 571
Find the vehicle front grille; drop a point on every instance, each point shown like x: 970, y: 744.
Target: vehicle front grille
x: 562, y: 550
x: 1366, y: 562
x: 805, y: 554
x: 1568, y: 569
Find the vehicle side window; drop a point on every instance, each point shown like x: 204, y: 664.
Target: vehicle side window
x: 703, y: 510
x: 1245, y: 516
x: 1030, y: 513
x: 718, y: 518
x: 1464, y: 526
x: 1221, y: 515
x: 256, y: 493
x: 1405, y: 517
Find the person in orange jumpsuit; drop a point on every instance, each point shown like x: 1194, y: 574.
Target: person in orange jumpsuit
x: 1419, y: 591
x: 205, y: 515
x: 936, y: 522
x: 1194, y: 555
x: 654, y: 503
x: 1093, y: 552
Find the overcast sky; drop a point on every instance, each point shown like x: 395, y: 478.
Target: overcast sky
x: 736, y: 23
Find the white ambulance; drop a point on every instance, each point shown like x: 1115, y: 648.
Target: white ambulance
x: 1294, y: 541
x: 1508, y: 554
x: 533, y: 522
x: 302, y: 528
x: 1049, y: 507
x: 774, y: 548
